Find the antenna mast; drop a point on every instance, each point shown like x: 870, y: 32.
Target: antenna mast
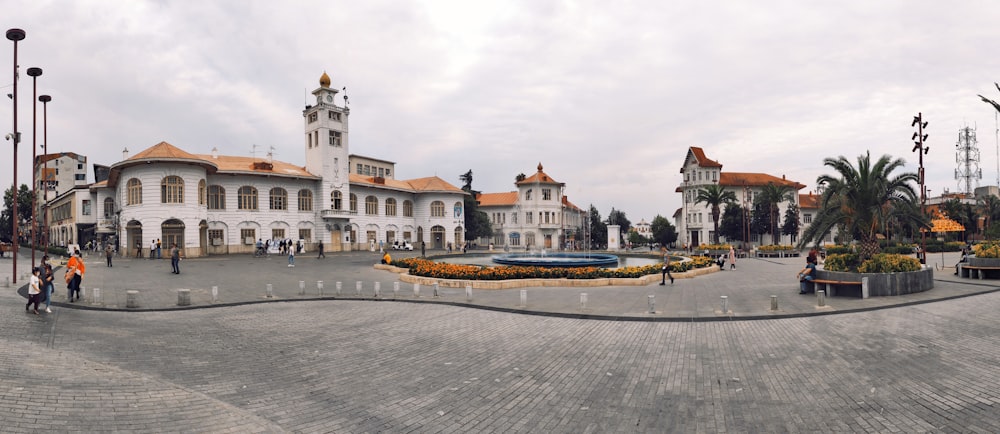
x: 967, y: 157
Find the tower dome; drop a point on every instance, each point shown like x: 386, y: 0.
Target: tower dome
x: 324, y: 80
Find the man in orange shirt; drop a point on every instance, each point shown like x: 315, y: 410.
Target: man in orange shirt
x: 76, y: 268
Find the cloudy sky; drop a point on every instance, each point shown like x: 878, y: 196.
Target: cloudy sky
x: 608, y: 96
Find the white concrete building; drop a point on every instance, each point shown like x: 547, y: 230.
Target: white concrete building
x: 214, y: 204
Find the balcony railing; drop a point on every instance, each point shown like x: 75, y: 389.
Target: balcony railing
x: 337, y: 213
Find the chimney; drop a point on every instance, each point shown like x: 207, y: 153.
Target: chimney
x: 125, y: 154
x: 782, y: 177
x: 215, y: 153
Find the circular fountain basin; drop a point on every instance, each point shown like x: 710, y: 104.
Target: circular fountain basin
x: 557, y: 259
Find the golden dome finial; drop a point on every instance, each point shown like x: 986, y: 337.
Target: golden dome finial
x: 324, y: 80
x: 539, y: 166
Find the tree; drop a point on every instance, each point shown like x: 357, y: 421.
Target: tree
x: 520, y: 177
x: 773, y: 195
x: 617, y: 217
x: 598, y: 229
x: 760, y: 221
x: 963, y: 213
x: 477, y: 223
x: 791, y: 226
x: 664, y: 233
x: 992, y: 102
x: 636, y: 239
x: 863, y: 199
x: 732, y: 223
x: 24, y: 204
x: 989, y: 208
x: 715, y: 195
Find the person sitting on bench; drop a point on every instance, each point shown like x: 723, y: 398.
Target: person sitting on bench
x: 963, y: 260
x: 807, y: 275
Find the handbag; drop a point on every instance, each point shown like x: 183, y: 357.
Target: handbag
x: 69, y: 276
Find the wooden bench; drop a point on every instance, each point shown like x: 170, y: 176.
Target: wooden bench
x: 966, y: 270
x: 831, y: 289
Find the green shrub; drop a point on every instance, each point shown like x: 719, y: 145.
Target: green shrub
x: 889, y: 263
x: 841, y: 262
x: 839, y: 250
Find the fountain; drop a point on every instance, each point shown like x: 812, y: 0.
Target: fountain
x: 544, y: 259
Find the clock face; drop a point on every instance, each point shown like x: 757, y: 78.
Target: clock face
x: 329, y: 98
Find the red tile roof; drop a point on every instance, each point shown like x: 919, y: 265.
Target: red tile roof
x: 539, y: 177
x: 497, y: 199
x: 703, y: 161
x: 736, y: 179
x: 809, y: 201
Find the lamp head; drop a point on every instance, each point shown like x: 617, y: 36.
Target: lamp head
x: 45, y: 98
x: 34, y: 71
x: 15, y: 34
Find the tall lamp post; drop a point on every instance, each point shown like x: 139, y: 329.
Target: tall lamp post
x: 34, y: 73
x: 918, y: 139
x: 15, y: 35
x: 45, y: 167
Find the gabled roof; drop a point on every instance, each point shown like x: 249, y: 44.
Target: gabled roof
x: 40, y: 159
x: 420, y: 185
x: 163, y: 150
x: 736, y: 179
x: 570, y: 205
x: 809, y: 201
x: 497, y: 199
x: 234, y: 164
x: 699, y: 156
x: 539, y: 177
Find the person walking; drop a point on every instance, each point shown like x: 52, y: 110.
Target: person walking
x: 75, y: 269
x: 732, y: 258
x: 138, y: 249
x: 666, y: 268
x: 108, y: 253
x: 34, y: 291
x: 291, y: 256
x: 175, y: 259
x: 46, y: 278
x: 423, y: 249
x: 152, y: 249
x: 321, y: 255
x: 159, y: 251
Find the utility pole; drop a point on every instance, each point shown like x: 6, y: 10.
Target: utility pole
x: 918, y: 139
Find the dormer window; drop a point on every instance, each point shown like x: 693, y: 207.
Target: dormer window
x: 334, y: 116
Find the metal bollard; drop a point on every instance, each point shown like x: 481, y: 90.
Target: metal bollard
x: 270, y: 290
x: 97, y: 296
x: 774, y: 302
x: 319, y: 287
x: 821, y: 298
x: 378, y: 289
x: 338, y: 286
x: 416, y: 290
x: 583, y: 301
x: 183, y: 297
x: 357, y: 286
x: 83, y: 292
x: 436, y: 293
x: 302, y: 287
x: 468, y: 292
x: 725, y: 304
x: 651, y: 300
x: 524, y: 298
x: 395, y: 289
x: 215, y: 294
x: 131, y: 299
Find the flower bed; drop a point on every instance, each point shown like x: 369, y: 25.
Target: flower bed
x: 427, y: 268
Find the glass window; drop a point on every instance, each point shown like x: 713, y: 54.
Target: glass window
x: 407, y: 208
x: 109, y: 207
x: 437, y: 209
x: 527, y: 195
x: 371, y: 205
x: 305, y: 200
x: 172, y: 189
x: 278, y: 198
x: 134, y: 188
x: 336, y: 199
x: 359, y: 169
x: 546, y: 194
x: 306, y: 234
x: 354, y: 202
x: 390, y: 207
x: 335, y: 138
x: 247, y: 196
x: 277, y: 234
x: 201, y: 192
x: 216, y: 197
x: 86, y: 207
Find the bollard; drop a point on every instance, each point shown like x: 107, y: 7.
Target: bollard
x: 83, y: 293
x: 357, y: 286
x: 6, y: 280
x: 131, y: 299
x: 270, y: 290
x: 725, y: 304
x: 215, y: 294
x: 319, y: 287
x: 378, y: 289
x: 774, y: 302
x: 583, y: 301
x: 524, y: 298
x: 302, y: 287
x: 183, y: 297
x: 97, y: 296
x: 416, y: 290
x: 436, y: 294
x: 468, y: 292
x: 651, y: 300
x: 338, y: 287
x: 395, y: 289
x: 821, y: 298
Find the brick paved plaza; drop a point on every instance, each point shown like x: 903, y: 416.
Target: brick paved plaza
x: 358, y: 365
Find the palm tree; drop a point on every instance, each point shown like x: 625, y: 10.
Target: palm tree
x: 863, y: 199
x: 989, y: 208
x: 715, y: 196
x: 773, y: 195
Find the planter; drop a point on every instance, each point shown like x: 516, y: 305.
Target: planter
x: 884, y: 284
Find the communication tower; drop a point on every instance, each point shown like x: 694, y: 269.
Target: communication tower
x: 967, y: 157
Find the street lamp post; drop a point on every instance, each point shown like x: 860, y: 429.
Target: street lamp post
x: 918, y: 139
x: 45, y: 167
x: 34, y: 73
x: 15, y: 35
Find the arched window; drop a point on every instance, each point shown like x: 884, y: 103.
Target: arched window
x: 336, y: 200
x: 172, y: 189
x: 134, y: 188
x: 247, y: 196
x: 216, y: 197
x: 437, y: 209
x: 371, y: 205
x: 278, y: 198
x: 407, y: 208
x: 305, y: 200
x: 354, y: 202
x: 390, y: 207
x: 201, y: 192
x: 109, y: 207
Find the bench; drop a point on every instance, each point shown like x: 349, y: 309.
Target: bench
x: 966, y: 270
x: 831, y: 285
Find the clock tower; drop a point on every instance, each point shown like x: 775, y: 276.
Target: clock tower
x: 327, y: 145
